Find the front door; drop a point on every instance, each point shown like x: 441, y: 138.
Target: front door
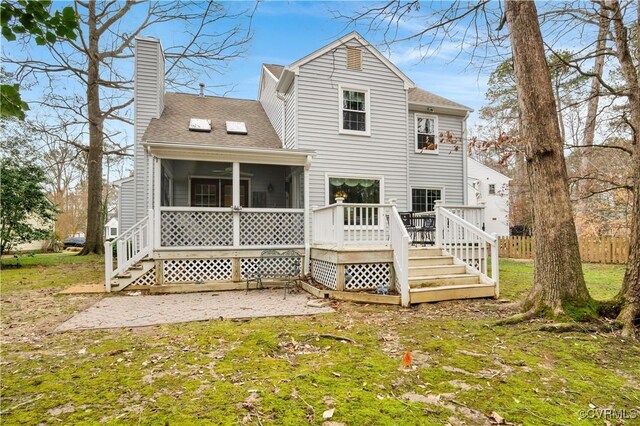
x: 227, y: 191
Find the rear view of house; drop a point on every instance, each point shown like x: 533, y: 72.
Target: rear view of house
x: 342, y: 161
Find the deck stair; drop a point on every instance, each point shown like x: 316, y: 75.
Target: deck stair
x: 128, y: 277
x: 434, y: 276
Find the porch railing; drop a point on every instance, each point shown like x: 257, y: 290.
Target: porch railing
x: 468, y: 243
x: 215, y: 228
x: 343, y: 224
x: 130, y: 247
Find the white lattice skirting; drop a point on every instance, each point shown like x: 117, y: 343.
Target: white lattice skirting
x: 271, y: 228
x: 149, y: 278
x: 367, y: 276
x: 196, y: 229
x: 325, y: 273
x: 197, y: 270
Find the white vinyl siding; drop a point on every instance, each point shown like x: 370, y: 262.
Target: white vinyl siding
x: 444, y: 170
x: 384, y: 152
x: 149, y: 103
x: 126, y: 205
x: 291, y: 120
x: 270, y: 102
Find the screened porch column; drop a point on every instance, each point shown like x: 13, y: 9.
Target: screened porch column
x: 155, y: 172
x: 236, y: 203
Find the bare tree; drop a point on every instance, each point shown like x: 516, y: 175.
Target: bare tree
x: 99, y: 62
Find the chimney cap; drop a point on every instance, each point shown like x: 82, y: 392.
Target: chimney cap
x: 201, y: 89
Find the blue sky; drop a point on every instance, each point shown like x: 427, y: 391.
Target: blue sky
x: 286, y: 31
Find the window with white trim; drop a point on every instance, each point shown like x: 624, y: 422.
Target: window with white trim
x: 492, y: 188
x: 426, y: 132
x: 354, y: 190
x: 424, y: 199
x: 354, y: 111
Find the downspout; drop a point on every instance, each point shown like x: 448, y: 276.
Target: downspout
x: 465, y: 182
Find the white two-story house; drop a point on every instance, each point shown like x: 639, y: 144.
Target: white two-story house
x: 327, y: 163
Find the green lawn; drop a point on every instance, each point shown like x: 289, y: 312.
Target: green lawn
x: 277, y: 371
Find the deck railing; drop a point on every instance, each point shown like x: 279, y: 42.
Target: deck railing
x: 468, y: 243
x: 130, y: 247
x: 211, y: 228
x: 343, y: 224
x: 472, y: 214
x: 400, y: 241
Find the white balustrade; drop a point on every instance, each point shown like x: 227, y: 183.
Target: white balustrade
x: 400, y: 240
x: 343, y: 224
x: 131, y: 247
x: 468, y: 243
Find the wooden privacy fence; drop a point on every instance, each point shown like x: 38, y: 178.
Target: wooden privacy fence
x: 595, y: 250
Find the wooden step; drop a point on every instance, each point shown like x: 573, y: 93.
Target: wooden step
x: 424, y: 251
x: 443, y: 280
x: 430, y: 260
x: 452, y: 292
x: 426, y: 271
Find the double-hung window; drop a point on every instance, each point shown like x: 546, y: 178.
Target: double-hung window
x: 426, y: 134
x: 354, y: 111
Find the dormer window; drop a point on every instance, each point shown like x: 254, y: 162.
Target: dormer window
x: 354, y: 110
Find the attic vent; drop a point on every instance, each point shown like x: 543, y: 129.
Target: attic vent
x: 354, y: 58
x: 199, y: 125
x: 236, y: 128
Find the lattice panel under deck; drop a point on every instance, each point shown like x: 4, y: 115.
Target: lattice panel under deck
x: 285, y: 266
x: 192, y: 270
x: 325, y: 273
x: 397, y: 284
x: 149, y: 278
x: 367, y: 276
x: 271, y: 228
x: 196, y: 229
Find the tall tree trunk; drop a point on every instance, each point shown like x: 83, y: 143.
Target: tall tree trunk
x: 558, y: 281
x: 629, y: 295
x: 94, y: 233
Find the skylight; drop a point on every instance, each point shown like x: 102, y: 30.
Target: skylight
x: 236, y: 128
x: 199, y: 125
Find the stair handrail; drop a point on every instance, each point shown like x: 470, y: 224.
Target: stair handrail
x: 131, y: 246
x: 400, y: 241
x: 468, y: 243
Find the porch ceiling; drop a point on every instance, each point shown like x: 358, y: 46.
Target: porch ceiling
x: 182, y: 151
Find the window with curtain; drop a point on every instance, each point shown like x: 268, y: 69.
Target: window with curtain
x: 354, y: 190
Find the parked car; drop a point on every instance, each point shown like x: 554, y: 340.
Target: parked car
x: 74, y: 242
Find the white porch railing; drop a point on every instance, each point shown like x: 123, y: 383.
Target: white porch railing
x: 472, y: 214
x: 210, y: 228
x: 343, y: 224
x: 400, y: 241
x: 131, y: 247
x: 468, y: 243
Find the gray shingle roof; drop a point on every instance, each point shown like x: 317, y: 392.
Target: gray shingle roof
x: 276, y: 70
x: 420, y: 96
x: 179, y: 108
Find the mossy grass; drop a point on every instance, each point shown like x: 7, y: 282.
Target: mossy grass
x: 278, y: 371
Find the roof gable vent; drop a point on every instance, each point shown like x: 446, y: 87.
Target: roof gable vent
x: 199, y: 125
x: 236, y: 128
x: 354, y: 58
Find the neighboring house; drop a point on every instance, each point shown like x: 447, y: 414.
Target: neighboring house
x: 111, y: 229
x: 489, y: 188
x: 218, y: 180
